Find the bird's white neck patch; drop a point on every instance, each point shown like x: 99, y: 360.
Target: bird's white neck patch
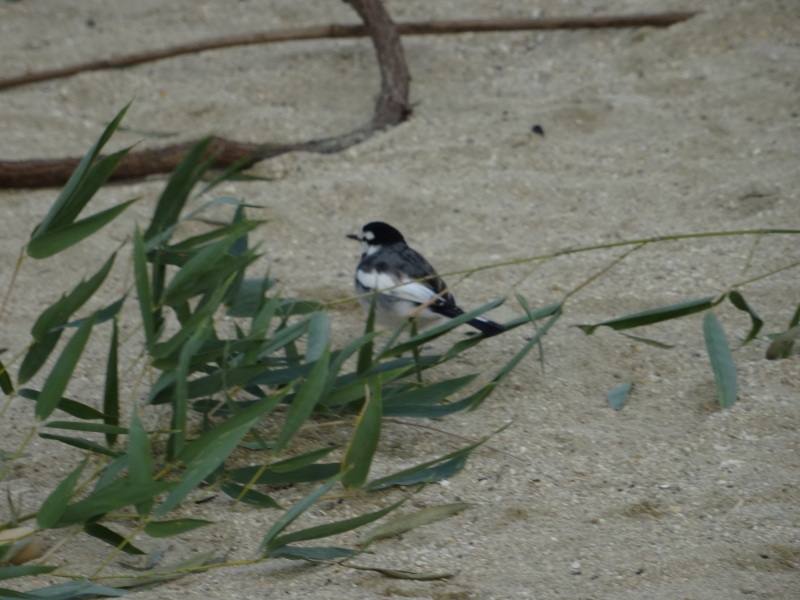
x: 368, y: 249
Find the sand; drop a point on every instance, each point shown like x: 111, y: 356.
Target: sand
x: 648, y: 132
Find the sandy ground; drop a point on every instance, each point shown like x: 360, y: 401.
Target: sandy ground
x: 647, y: 132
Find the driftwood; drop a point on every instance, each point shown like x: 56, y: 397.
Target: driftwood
x: 351, y: 31
x: 392, y: 106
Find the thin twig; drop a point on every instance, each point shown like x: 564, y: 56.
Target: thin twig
x: 334, y: 31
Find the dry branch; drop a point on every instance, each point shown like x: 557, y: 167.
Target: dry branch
x: 392, y: 106
x: 350, y: 31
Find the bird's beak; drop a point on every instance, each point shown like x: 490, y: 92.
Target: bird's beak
x: 353, y: 236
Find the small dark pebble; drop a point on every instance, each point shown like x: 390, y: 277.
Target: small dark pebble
x: 537, y: 129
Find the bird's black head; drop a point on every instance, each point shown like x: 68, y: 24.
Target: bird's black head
x: 378, y: 233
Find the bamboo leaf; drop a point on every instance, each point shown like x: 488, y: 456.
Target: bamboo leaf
x: 37, y: 355
x: 427, y: 472
x: 301, y: 460
x: 656, y: 315
x: 58, y: 314
x: 54, y: 241
x: 304, y: 474
x: 721, y: 360
x: 435, y: 332
x: 148, y: 578
x: 249, y: 496
x: 111, y: 386
x: 53, y: 507
x: 782, y: 344
x: 180, y: 184
x: 268, y: 542
x: 71, y: 407
x: 756, y: 322
x: 73, y: 196
x: 109, y: 536
x: 143, y: 290
x: 162, y: 529
x: 207, y: 452
x: 363, y: 443
x: 416, y: 519
x: 80, y: 443
x: 618, y: 397
x: 304, y: 400
x: 73, y: 590
x: 140, y: 465
x: 5, y: 380
x: 93, y: 427
x: 24, y: 571
x: 62, y: 371
x: 119, y: 493
x: 329, y: 529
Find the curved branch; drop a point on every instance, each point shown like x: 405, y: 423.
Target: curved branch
x: 391, y: 109
x: 334, y: 31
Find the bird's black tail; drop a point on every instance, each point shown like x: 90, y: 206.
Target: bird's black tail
x: 486, y: 327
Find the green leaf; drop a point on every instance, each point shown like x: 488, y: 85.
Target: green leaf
x: 268, y: 542
x: 367, y: 349
x: 61, y: 374
x: 162, y: 529
x: 71, y: 407
x: 363, y: 443
x: 249, y: 496
x: 656, y: 315
x: 162, y: 573
x: 111, y: 387
x: 140, y: 465
x: 782, y: 344
x: 54, y: 241
x: 180, y: 184
x: 24, y: 571
x: 304, y: 400
x: 301, y: 460
x: 93, y: 427
x: 121, y: 492
x: 37, y: 355
x: 53, y: 507
x: 143, y: 290
x: 249, y: 299
x: 329, y: 529
x: 81, y: 444
x: 427, y: 472
x: 618, y: 397
x: 206, y: 453
x: 5, y: 380
x: 721, y: 360
x: 318, y: 331
x: 58, y: 314
x: 435, y: 332
x: 256, y: 476
x: 78, y: 189
x: 73, y: 590
x: 756, y: 322
x: 109, y: 536
x: 416, y: 519
x: 428, y: 394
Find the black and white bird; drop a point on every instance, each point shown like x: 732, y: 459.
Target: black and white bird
x: 389, y: 266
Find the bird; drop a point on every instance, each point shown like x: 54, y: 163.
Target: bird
x: 405, y: 281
